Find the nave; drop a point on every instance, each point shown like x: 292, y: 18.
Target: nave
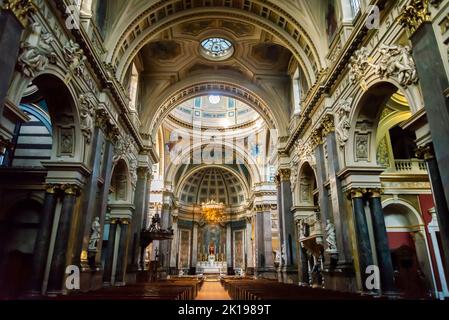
x: 290, y: 149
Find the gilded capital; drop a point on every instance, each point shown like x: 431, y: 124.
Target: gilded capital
x: 284, y: 174
x: 415, y: 14
x: 316, y: 138
x: 71, y: 189
x: 374, y: 193
x: 51, y: 188
x: 328, y: 125
x: 357, y: 193
x: 22, y: 9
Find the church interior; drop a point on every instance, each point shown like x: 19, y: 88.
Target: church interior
x: 224, y: 149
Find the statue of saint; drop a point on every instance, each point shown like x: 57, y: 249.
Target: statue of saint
x: 330, y: 237
x: 95, y: 235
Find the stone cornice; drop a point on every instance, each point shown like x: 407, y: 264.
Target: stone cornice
x: 331, y: 76
x: 107, y: 81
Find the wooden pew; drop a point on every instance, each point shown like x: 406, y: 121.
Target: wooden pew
x: 248, y: 289
x: 173, y: 289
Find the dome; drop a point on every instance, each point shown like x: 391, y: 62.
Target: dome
x: 215, y: 112
x: 212, y: 184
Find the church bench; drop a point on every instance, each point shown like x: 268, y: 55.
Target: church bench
x: 271, y: 290
x: 161, y: 290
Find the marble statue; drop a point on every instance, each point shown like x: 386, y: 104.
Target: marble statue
x: 330, y: 237
x: 95, y: 235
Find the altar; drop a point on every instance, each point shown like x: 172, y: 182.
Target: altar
x: 211, y: 266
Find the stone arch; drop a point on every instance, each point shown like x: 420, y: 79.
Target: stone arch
x: 201, y: 167
x: 281, y: 25
x: 365, y: 115
x: 273, y: 114
x: 406, y: 228
x: 256, y: 175
x: 306, y: 183
x: 63, y: 109
x: 121, y: 183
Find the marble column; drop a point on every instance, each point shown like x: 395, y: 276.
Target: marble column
x: 195, y: 245
x: 287, y: 227
x: 103, y: 194
x: 440, y: 204
x: 109, y: 259
x: 59, y: 261
x: 174, y: 248
x: 338, y: 209
x: 321, y: 178
x: 122, y: 253
x: 140, y: 197
x: 229, y: 249
x: 434, y: 84
x: 267, y: 239
x: 362, y: 233
x: 249, y: 248
x: 303, y: 267
x: 381, y: 240
x: 164, y: 245
x: 10, y: 33
x: 264, y: 246
x: 89, y: 200
x: 43, y: 239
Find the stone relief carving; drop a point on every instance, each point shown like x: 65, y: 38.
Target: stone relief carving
x: 122, y: 147
x: 343, y: 125
x: 305, y: 152
x: 358, y: 66
x: 331, y: 238
x: 37, y: 52
x: 133, y: 171
x: 66, y: 141
x: 86, y: 115
x: 397, y: 61
x: 74, y: 55
x: 361, y: 147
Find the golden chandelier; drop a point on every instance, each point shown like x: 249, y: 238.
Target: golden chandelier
x: 213, y: 212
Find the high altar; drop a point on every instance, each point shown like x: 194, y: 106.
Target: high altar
x: 214, y: 264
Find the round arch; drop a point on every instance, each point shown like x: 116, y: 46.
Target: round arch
x: 273, y: 114
x: 180, y: 184
x: 402, y: 218
x: 121, y: 183
x: 172, y: 169
x: 286, y: 28
x: 305, y: 184
x: 365, y: 115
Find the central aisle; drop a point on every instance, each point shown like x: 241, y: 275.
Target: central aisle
x: 212, y: 290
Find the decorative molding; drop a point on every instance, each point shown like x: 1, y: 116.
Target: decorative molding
x: 343, y: 125
x: 22, y: 9
x: 37, y: 52
x: 415, y: 14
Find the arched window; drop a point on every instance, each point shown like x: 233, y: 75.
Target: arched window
x: 355, y: 7
x: 296, y: 87
x: 133, y: 87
